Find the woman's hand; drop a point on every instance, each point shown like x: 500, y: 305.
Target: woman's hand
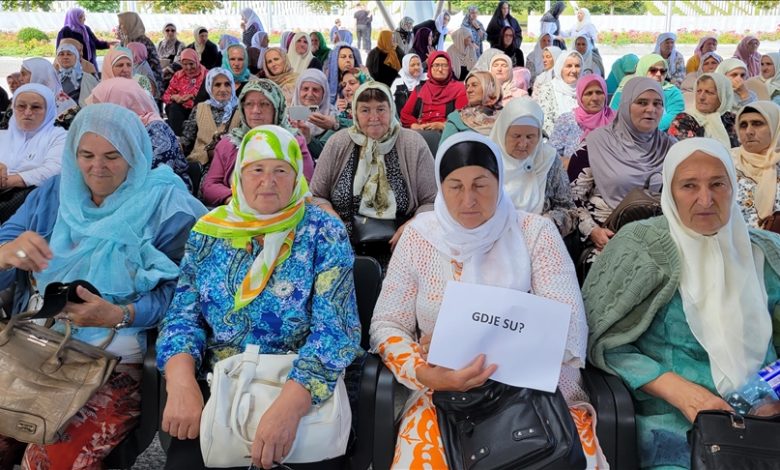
x: 461, y: 380
x: 29, y: 252
x: 600, y: 236
x: 341, y: 104
x: 95, y: 311
x: 276, y: 432
x: 435, y: 126
x: 301, y: 126
x: 425, y: 346
x: 323, y: 121
x: 181, y: 417
x: 768, y: 409
x: 397, y: 235
x: 686, y: 396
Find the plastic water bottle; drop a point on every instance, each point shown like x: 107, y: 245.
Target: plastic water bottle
x: 763, y: 388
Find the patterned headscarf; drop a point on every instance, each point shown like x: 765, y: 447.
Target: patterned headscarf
x: 74, y: 73
x: 240, y: 223
x: 274, y: 94
x: 228, y: 106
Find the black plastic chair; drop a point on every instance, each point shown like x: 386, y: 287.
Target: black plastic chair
x: 195, y: 171
x: 432, y: 139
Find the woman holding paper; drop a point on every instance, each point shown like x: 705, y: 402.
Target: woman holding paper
x: 473, y: 235
x: 681, y: 306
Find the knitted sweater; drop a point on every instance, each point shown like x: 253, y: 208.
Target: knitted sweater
x: 635, y: 276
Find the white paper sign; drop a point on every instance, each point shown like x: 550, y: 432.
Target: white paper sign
x: 525, y: 335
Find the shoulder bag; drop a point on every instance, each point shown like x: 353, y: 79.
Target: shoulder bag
x: 639, y: 204
x: 721, y: 440
x: 500, y: 427
x: 47, y: 377
x: 243, y: 387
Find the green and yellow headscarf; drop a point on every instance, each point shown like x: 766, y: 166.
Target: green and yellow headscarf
x: 239, y: 223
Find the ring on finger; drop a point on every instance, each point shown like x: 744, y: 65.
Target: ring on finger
x: 21, y: 254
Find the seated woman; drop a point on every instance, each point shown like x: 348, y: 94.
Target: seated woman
x: 311, y: 90
x: 534, y: 178
x: 654, y: 66
x: 351, y: 81
x: 206, y: 51
x: 463, y: 53
x: 757, y: 159
x: 706, y: 44
x: 277, y: 68
x: 493, y: 244
x: 75, y: 82
x: 236, y: 60
x: 41, y: 71
x: 559, y: 95
x: 319, y: 47
x: 165, y: 146
x: 261, y: 103
x: 423, y: 45
x: 708, y: 64
x: 409, y: 77
x: 770, y: 75
x: 136, y: 281
x: 482, y: 110
x: 384, y: 61
x: 32, y: 147
x: 736, y: 71
x: 624, y: 67
x: 591, y: 113
x: 214, y: 117
x: 665, y: 46
x: 179, y: 97
x: 343, y: 57
x: 709, y: 116
x: 616, y: 159
x: 300, y: 54
x: 500, y: 68
x: 591, y: 60
x: 428, y: 107
x: 534, y: 62
x: 141, y: 68
x: 86, y: 65
x: 681, y: 306
x: 285, y: 277
x: 375, y: 168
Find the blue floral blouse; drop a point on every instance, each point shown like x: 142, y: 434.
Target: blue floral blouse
x: 308, y: 305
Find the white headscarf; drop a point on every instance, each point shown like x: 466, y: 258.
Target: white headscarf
x: 773, y: 83
x: 439, y: 22
x: 587, y: 58
x: 314, y: 76
x: 538, y: 54
x: 73, y: 74
x: 672, y: 59
x: 547, y: 75
x: 565, y: 93
x: 410, y: 81
x: 299, y: 62
x: 250, y: 17
x: 712, y: 122
x: 525, y: 181
x: 494, y: 253
x: 44, y: 73
x: 721, y: 280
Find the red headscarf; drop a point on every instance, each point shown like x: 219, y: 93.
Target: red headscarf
x: 434, y: 91
x: 587, y: 121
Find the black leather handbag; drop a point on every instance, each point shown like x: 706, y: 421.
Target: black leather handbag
x: 367, y: 230
x: 721, y: 440
x: 500, y: 427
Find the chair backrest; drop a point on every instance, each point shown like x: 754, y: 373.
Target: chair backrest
x: 432, y: 138
x: 368, y: 282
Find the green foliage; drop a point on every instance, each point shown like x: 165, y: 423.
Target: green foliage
x: 488, y: 7
x: 325, y: 6
x: 26, y: 5
x: 98, y: 6
x: 183, y: 6
x: 27, y: 35
x: 765, y: 4
x: 612, y: 7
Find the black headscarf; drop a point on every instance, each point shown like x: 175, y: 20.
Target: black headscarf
x: 498, y: 22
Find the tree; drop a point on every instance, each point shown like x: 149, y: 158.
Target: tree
x: 325, y: 6
x: 182, y: 6
x: 25, y: 5
x: 611, y: 7
x: 764, y: 4
x: 97, y: 6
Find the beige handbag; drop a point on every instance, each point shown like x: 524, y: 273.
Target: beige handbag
x: 45, y: 378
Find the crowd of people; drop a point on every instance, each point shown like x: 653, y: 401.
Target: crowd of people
x: 228, y: 187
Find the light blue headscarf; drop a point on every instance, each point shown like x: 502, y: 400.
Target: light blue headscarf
x: 74, y: 73
x: 111, y: 245
x: 333, y: 68
x: 244, y: 75
x: 228, y: 106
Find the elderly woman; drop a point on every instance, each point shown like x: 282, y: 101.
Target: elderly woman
x: 285, y: 277
x: 129, y: 95
x: 708, y: 64
x: 502, y: 18
x: 736, y: 71
x: 141, y: 68
x: 654, y: 66
x: 343, y: 57
x: 261, y: 103
x: 41, y: 71
x: 534, y: 178
x: 770, y: 75
x: 311, y: 90
x: 351, y: 81
x: 180, y: 95
x: 319, y: 47
x: 706, y: 44
x: 591, y: 60
x: 384, y: 61
x: 756, y: 160
x: 559, y: 95
x: 747, y: 52
x: 75, y: 82
x: 474, y: 235
x: 591, y: 113
x: 277, y: 68
x: 403, y: 35
x: 428, y: 107
x: 235, y: 59
x: 86, y: 66
x: 168, y: 49
x: 621, y: 68
x: 250, y: 25
x: 535, y: 62
x: 710, y: 115
x: 375, y: 169
x: 106, y: 182
x: 131, y: 29
x: 681, y: 306
x: 409, y: 78
x: 75, y: 28
x: 32, y: 146
x: 479, y: 115
x: 618, y: 158
x: 207, y: 52
x: 300, y: 54
x: 665, y: 47
x: 463, y: 53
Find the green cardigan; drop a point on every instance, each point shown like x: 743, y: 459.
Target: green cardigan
x: 636, y: 276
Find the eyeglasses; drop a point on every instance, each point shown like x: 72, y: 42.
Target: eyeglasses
x: 170, y: 30
x: 655, y: 70
x: 440, y: 66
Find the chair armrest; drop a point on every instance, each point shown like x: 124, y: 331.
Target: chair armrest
x: 606, y: 414
x: 627, y: 452
x: 384, y: 419
x: 364, y: 431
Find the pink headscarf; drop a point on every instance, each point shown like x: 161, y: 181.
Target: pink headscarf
x: 126, y: 93
x: 587, y: 121
x: 698, y: 52
x: 753, y: 61
x: 139, y: 52
x: 522, y: 78
x: 112, y: 56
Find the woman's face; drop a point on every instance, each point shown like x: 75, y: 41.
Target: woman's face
x: 593, y: 98
x: 24, y: 76
x: 440, y: 69
x: 571, y: 70
x: 752, y: 46
x: 430, y: 40
x: 500, y: 70
x: 581, y: 45
x: 473, y: 14
x: 470, y: 194
x: 274, y: 63
x: 258, y: 110
x: 702, y: 193
x: 709, y: 45
x: 83, y: 18
x: 580, y: 15
x: 767, y: 67
x: 315, y: 42
x: 504, y: 9
x: 467, y: 41
x: 545, y: 41
x: 29, y: 111
x: 373, y: 117
x: 102, y: 166
x: 547, y: 60
x: 346, y: 59
x: 754, y: 132
x: 415, y: 67
x: 521, y: 141
x: 13, y: 82
x: 220, y: 88
x: 709, y: 65
x: 707, y: 100
x: 236, y: 59
x: 311, y: 94
x: 666, y: 48
x: 190, y: 67
x: 657, y: 72
x: 301, y: 45
x: 349, y: 85
x: 737, y: 77
x: 66, y: 59
x: 268, y: 185
x: 264, y: 41
x: 203, y: 37
x: 122, y: 67
x: 445, y: 20
x: 509, y: 37
x: 646, y: 111
x: 170, y: 33
x: 474, y: 91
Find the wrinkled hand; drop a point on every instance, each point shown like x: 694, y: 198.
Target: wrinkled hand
x: 693, y: 398
x: 301, y: 126
x: 425, y: 346
x: 600, y: 236
x: 276, y: 432
x: 34, y: 248
x: 461, y: 380
x: 341, y: 104
x: 181, y: 417
x: 95, y: 311
x: 768, y: 409
x: 323, y: 121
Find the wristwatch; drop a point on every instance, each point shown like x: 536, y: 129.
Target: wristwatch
x: 125, y: 322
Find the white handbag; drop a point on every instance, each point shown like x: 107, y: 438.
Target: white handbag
x: 243, y: 387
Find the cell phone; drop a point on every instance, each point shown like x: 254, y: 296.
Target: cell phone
x: 300, y: 113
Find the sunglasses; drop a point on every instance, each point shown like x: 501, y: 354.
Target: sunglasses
x: 655, y: 70
x: 170, y: 30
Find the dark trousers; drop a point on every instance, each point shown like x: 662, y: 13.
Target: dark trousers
x: 364, y: 37
x: 177, y: 114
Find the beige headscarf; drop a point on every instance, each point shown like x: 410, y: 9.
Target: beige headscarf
x: 761, y: 168
x: 300, y: 62
x: 132, y: 26
x: 199, y: 48
x: 712, y: 122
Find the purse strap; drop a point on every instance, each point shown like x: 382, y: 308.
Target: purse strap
x: 650, y: 177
